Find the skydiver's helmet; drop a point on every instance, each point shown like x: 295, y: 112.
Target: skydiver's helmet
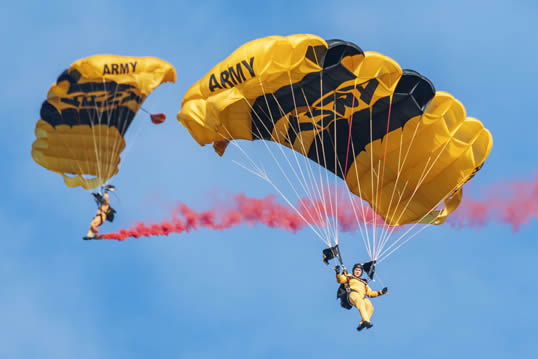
x: 368, y: 268
x: 357, y: 265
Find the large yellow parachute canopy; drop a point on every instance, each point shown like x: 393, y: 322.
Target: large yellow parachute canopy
x: 397, y: 143
x: 80, y: 134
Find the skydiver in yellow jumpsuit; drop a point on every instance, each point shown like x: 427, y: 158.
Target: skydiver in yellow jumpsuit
x: 104, y: 212
x: 358, y: 289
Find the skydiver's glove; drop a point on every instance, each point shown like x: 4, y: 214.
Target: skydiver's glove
x: 385, y: 290
x: 98, y: 197
x: 337, y: 269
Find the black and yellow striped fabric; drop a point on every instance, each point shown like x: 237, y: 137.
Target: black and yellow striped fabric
x: 80, y: 133
x: 397, y: 143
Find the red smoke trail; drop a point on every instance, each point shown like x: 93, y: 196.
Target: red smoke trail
x: 251, y: 211
x: 514, y: 203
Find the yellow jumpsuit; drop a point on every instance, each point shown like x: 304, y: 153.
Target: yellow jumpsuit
x: 359, y: 291
x: 99, y: 218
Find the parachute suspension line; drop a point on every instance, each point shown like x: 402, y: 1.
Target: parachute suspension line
x: 323, y: 189
x: 333, y: 196
x: 302, y: 174
x: 422, y: 178
x: 347, y: 161
x: 379, y: 194
x: 307, y: 188
x: 379, y: 186
x: 374, y: 232
x: 349, y: 134
x: 117, y: 141
x: 352, y: 202
x: 279, y: 166
x: 121, y: 140
x: 336, y: 165
x: 415, y: 224
x: 94, y: 121
x: 408, y: 238
x: 100, y: 113
x: 378, y: 278
x: 376, y: 201
x: 256, y: 170
x: 109, y: 111
x: 345, y: 173
x: 401, y: 165
x: 109, y: 164
x: 386, y: 235
x: 365, y: 237
x: 386, y: 144
x: 102, y: 167
x: 326, y: 190
x: 69, y: 148
x: 388, y: 230
x: 268, y: 180
x: 308, y: 163
x: 384, y: 254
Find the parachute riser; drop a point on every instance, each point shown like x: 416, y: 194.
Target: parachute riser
x: 331, y: 253
x: 339, y: 256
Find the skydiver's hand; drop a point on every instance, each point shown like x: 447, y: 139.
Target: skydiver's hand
x: 385, y: 290
x: 337, y: 269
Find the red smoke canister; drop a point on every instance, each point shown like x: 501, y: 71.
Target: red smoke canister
x: 157, y: 118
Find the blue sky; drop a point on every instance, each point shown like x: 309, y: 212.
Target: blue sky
x: 236, y: 293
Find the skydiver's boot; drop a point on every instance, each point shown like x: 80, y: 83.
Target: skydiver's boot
x: 364, y: 324
x: 91, y: 235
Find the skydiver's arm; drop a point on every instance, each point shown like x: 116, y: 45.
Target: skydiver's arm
x: 105, y: 201
x: 372, y: 294
x: 341, y: 278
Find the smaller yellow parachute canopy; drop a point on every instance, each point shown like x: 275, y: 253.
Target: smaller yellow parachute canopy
x: 80, y: 134
x: 397, y: 143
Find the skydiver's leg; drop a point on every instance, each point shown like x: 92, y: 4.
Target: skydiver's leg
x: 92, y: 230
x: 96, y: 222
x: 360, y: 304
x: 369, y: 308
